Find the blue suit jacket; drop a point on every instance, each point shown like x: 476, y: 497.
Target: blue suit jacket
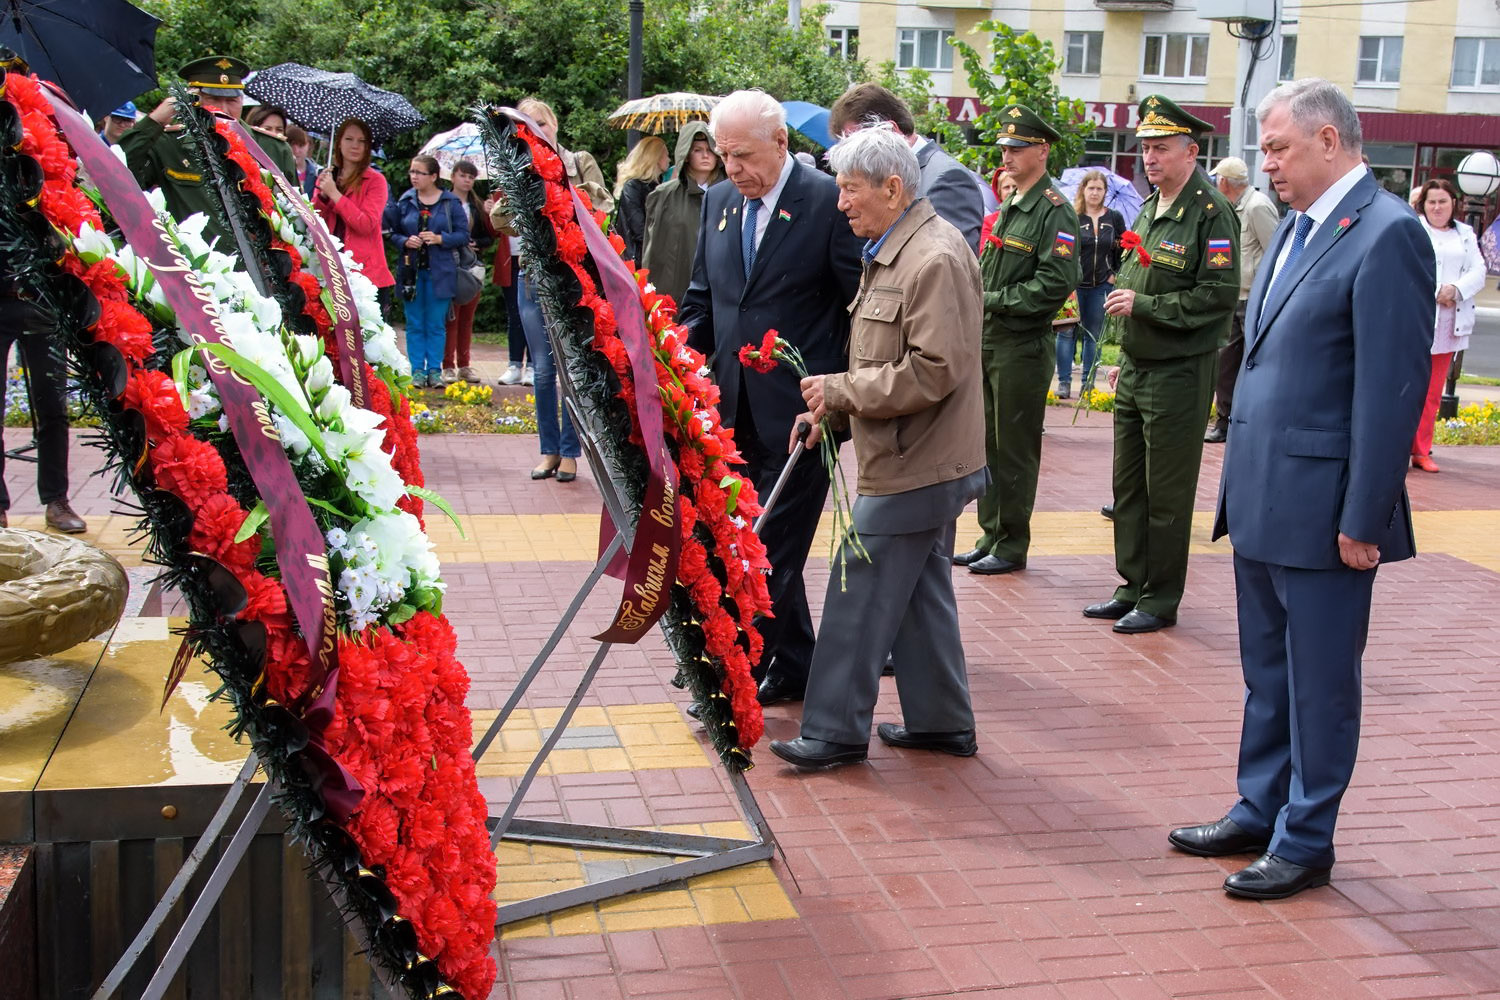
x: 806, y: 273
x: 1331, y: 388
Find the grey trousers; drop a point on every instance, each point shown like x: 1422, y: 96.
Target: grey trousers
x: 900, y: 602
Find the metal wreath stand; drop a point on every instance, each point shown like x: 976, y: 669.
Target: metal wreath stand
x: 701, y: 854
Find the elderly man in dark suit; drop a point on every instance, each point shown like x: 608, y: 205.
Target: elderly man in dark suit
x: 955, y: 192
x: 1329, y: 392
x: 774, y: 252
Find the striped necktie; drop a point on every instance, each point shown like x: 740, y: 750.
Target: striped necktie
x: 747, y: 234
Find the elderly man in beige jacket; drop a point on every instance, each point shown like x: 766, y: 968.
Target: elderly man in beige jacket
x: 913, y: 399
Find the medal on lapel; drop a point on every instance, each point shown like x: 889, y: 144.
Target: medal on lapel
x: 724, y: 219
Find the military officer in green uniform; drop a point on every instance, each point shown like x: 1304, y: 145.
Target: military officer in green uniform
x: 1028, y: 265
x: 1173, y: 301
x: 157, y: 150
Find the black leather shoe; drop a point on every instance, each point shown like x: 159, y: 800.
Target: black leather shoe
x: 961, y: 744
x: 1112, y: 609
x: 889, y: 670
x: 1270, y: 877
x: 1139, y: 621
x: 1216, y: 840
x: 1216, y: 435
x: 971, y: 556
x: 818, y: 753
x: 992, y: 565
x: 1108, y: 510
x: 775, y: 690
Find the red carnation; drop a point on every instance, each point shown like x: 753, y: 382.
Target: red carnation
x: 155, y: 395
x: 1132, y: 241
x: 217, y: 522
x: 189, y: 468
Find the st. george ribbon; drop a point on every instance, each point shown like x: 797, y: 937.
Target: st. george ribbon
x: 300, y: 550
x: 652, y: 568
x: 345, y: 316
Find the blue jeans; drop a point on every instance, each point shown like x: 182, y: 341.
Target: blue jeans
x: 425, y: 331
x: 557, y: 436
x: 1089, y: 329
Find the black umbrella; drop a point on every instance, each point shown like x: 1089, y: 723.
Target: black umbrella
x: 102, y: 52
x: 319, y: 100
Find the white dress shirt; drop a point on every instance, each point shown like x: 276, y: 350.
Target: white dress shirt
x: 769, y: 199
x: 1318, y: 211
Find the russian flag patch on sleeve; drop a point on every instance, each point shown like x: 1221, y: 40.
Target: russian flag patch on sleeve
x: 1064, y: 245
x: 1220, y: 254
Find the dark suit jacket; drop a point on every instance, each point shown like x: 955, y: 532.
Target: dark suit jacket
x: 1331, y: 388
x: 953, y: 190
x: 806, y: 273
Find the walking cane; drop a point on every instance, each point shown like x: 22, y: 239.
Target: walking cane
x: 803, y: 430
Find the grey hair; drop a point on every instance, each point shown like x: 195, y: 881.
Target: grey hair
x: 1314, y: 102
x: 765, y: 116
x: 877, y: 151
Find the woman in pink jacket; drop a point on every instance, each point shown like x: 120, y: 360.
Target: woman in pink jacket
x: 351, y: 197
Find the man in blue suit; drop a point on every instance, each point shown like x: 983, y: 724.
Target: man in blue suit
x: 1338, y: 328
x: 774, y: 252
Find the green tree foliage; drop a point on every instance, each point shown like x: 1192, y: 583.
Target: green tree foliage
x: 1021, y: 71
x: 446, y: 55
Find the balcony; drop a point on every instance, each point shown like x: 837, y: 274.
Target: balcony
x: 1134, y: 5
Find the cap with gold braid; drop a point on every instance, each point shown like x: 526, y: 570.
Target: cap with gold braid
x: 216, y: 76
x: 1020, y: 126
x: 1161, y: 116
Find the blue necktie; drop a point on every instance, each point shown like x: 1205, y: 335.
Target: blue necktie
x: 1299, y: 242
x: 747, y: 234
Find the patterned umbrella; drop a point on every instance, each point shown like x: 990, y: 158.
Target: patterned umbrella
x: 319, y: 100
x: 662, y: 112
x: 462, y: 143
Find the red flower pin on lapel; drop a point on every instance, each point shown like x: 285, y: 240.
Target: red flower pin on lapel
x: 1343, y: 225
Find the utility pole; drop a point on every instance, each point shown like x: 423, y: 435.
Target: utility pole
x: 794, y: 14
x: 633, y: 71
x: 1257, y: 24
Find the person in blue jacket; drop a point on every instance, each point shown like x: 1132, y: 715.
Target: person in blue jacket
x: 428, y: 225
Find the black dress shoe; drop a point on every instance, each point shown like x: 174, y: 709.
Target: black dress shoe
x: 1216, y: 840
x: 1139, y: 621
x: 1216, y: 435
x: 1112, y: 609
x: 992, y: 565
x: 1108, y: 510
x: 775, y: 690
x: 971, y: 556
x: 1271, y: 877
x: 818, y: 753
x: 960, y: 744
x: 889, y: 670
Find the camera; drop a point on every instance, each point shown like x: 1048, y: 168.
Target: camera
x: 412, y: 261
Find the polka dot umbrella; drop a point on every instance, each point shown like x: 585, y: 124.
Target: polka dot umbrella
x: 319, y: 100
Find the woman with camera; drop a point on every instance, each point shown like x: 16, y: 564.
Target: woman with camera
x: 351, y: 196
x: 428, y: 225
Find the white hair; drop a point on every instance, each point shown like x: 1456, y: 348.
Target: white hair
x: 1314, y: 102
x: 758, y: 109
x: 877, y: 152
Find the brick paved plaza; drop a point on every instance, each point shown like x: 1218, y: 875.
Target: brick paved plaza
x: 1039, y: 868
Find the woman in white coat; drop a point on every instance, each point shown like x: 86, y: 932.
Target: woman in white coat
x: 1460, y: 276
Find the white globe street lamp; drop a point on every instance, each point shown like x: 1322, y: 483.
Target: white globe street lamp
x: 1478, y: 174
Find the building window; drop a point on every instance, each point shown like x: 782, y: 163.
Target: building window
x: 1176, y: 57
x: 1288, y: 69
x: 924, y: 48
x: 1082, y: 55
x: 843, y: 42
x: 1379, y: 59
x: 1476, y: 64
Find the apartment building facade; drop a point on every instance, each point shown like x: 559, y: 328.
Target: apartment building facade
x: 1425, y: 74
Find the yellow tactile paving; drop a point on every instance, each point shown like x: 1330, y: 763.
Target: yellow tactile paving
x: 651, y: 737
x: 738, y: 895
x: 1472, y: 535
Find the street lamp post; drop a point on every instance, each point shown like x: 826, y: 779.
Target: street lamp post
x: 1478, y: 176
x: 633, y: 70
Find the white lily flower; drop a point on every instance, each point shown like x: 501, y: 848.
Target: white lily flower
x: 335, y: 407
x: 319, y: 376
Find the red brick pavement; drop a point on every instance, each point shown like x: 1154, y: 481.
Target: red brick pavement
x: 1039, y: 868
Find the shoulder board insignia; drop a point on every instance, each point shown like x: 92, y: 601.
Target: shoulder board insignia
x: 1016, y: 243
x: 1209, y: 206
x: 184, y: 176
x: 1053, y: 196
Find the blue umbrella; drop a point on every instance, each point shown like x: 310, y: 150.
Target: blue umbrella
x: 1121, y: 196
x: 810, y: 120
x: 102, y: 52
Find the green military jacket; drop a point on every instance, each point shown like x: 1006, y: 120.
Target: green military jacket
x: 1185, y: 298
x: 162, y: 157
x: 278, y: 150
x: 1029, y: 264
